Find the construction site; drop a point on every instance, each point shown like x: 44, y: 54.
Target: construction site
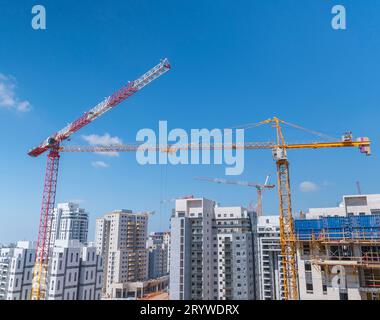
x: 317, y: 238
x: 340, y: 252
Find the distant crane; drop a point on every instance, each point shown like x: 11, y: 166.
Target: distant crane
x: 279, y: 152
x: 358, y: 187
x: 52, y: 144
x: 259, y: 188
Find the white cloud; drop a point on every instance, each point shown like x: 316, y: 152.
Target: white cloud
x: 308, y: 186
x: 104, y: 140
x: 99, y: 164
x: 8, y: 96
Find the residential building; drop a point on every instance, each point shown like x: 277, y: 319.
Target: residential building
x: 69, y: 223
x: 6, y: 254
x: 121, y: 239
x: 20, y: 262
x: 76, y: 272
x: 268, y: 263
x: 338, y: 250
x: 158, y: 247
x: 211, y: 252
x: 233, y: 254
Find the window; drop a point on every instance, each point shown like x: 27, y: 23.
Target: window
x: 306, y: 249
x: 69, y: 276
x: 307, y: 266
x: 86, y: 275
x: 30, y: 257
x: 343, y: 296
x: 58, y: 284
x: 71, y: 257
x: 309, y: 287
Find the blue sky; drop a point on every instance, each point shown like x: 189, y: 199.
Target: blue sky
x: 233, y: 63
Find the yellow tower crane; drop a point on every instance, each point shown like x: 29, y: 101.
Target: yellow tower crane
x: 259, y: 189
x: 279, y: 150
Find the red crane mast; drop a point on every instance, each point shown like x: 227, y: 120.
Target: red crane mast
x: 52, y: 144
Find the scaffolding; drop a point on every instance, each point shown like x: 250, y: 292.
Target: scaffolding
x: 351, y: 242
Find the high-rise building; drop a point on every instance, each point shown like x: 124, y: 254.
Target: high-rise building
x: 268, y: 263
x: 76, y: 272
x: 233, y: 254
x: 19, y: 262
x: 69, y: 223
x: 121, y: 239
x: 338, y: 250
x: 158, y: 247
x: 191, y: 260
x: 211, y: 252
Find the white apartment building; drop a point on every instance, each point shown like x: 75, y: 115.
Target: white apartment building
x: 211, y: 252
x: 158, y: 247
x: 233, y: 254
x: 268, y: 264
x: 5, y: 261
x: 338, y: 251
x: 191, y: 259
x: 76, y: 272
x: 121, y: 239
x: 69, y: 223
x: 18, y: 281
x: 351, y: 205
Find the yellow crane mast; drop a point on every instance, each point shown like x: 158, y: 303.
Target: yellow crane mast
x: 279, y: 150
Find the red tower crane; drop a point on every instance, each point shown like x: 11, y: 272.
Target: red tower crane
x: 52, y: 144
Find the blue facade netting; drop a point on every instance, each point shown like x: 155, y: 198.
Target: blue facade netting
x: 354, y: 227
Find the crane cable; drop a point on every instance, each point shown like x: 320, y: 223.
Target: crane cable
x: 257, y: 124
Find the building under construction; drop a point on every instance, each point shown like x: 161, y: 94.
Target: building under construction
x: 338, y: 251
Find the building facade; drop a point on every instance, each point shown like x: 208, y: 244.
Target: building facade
x: 76, y: 272
x: 233, y: 249
x: 69, y: 223
x: 158, y: 246
x: 18, y: 281
x: 5, y: 261
x: 268, y: 263
x: 121, y: 239
x: 211, y: 252
x: 338, y: 251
